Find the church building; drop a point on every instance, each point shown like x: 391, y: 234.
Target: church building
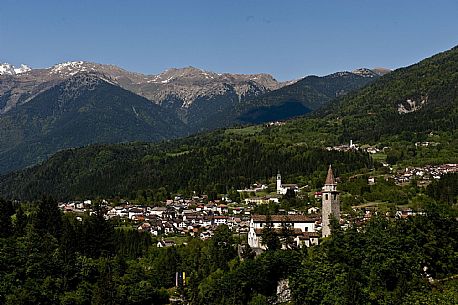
x: 283, y: 188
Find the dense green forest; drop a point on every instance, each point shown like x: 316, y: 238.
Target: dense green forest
x: 445, y: 189
x: 211, y: 164
x: 50, y: 258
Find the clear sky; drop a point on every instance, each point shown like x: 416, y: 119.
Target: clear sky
x: 288, y: 39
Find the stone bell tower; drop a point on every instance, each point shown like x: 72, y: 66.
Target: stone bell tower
x: 330, y: 203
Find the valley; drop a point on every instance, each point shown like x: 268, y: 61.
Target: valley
x: 193, y: 187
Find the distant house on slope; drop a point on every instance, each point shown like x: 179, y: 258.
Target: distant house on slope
x: 165, y: 243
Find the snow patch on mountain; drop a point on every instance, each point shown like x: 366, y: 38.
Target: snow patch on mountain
x: 70, y: 68
x: 22, y: 69
x: 8, y: 69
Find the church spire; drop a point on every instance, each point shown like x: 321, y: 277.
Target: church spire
x: 330, y: 177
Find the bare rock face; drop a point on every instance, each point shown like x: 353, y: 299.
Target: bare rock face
x: 371, y: 72
x: 412, y: 105
x: 283, y: 292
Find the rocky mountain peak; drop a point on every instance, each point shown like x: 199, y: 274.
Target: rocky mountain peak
x: 81, y: 82
x: 8, y: 69
x: 187, y: 74
x: 364, y: 72
x: 381, y: 71
x: 89, y: 78
x: 70, y: 68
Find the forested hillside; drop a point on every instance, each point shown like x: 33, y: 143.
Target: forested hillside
x: 302, y: 97
x: 216, y: 163
x: 421, y: 98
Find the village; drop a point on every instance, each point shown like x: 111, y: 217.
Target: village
x: 199, y: 217
x: 423, y: 174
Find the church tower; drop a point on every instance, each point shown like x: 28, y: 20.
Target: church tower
x: 279, y: 187
x: 330, y: 203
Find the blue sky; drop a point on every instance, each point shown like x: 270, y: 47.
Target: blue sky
x: 288, y: 39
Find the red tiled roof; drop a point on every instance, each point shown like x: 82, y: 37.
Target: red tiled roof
x: 295, y: 231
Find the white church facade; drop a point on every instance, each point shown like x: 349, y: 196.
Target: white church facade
x: 283, y: 188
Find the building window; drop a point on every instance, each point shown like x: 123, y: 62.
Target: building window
x: 326, y: 197
x: 334, y: 196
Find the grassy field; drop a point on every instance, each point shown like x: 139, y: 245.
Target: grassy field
x: 179, y: 240
x: 379, y: 157
x: 174, y: 154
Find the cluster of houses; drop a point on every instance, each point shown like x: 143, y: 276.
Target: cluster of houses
x: 254, y: 188
x: 356, y: 147
x: 424, y: 173
x: 276, y: 123
x: 364, y: 214
x: 199, y: 217
x: 426, y: 144
x: 177, y: 217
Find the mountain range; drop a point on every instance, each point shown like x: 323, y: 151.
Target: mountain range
x: 407, y: 104
x: 78, y: 103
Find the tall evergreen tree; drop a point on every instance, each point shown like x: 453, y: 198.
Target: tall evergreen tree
x: 48, y: 218
x: 221, y: 248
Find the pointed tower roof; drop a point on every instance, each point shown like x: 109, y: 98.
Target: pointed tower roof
x: 330, y: 177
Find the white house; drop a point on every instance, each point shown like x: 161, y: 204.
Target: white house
x: 307, y: 239
x: 158, y: 211
x: 313, y: 210
x: 261, y: 200
x: 219, y: 220
x: 165, y: 243
x: 135, y: 212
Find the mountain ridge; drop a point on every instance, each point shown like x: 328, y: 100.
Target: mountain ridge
x: 369, y: 114
x: 84, y: 109
x: 190, y: 99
